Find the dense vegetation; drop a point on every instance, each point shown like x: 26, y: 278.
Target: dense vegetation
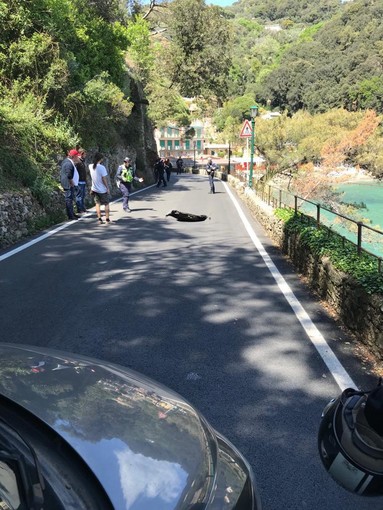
x: 299, y: 11
x: 66, y: 73
x: 320, y: 64
x: 338, y: 64
x: 342, y: 253
x: 67, y: 67
x: 320, y: 55
x: 62, y: 82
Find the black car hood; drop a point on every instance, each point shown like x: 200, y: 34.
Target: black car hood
x: 146, y: 445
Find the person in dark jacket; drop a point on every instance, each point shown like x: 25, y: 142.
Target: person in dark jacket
x: 168, y: 168
x: 211, y: 168
x: 179, y: 164
x: 69, y: 180
x: 81, y: 187
x: 159, y: 171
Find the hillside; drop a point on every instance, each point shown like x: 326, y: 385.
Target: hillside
x: 279, y: 11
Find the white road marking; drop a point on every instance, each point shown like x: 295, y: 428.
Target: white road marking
x: 340, y: 375
x: 37, y: 240
x: 54, y: 231
x: 333, y: 364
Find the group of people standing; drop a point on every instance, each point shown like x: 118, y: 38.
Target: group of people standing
x: 162, y: 168
x: 73, y: 177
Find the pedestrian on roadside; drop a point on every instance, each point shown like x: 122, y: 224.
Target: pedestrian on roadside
x: 100, y: 186
x: 125, y: 176
x: 168, y: 168
x: 81, y: 187
x: 69, y: 180
x: 211, y: 168
x: 179, y: 165
x: 159, y: 171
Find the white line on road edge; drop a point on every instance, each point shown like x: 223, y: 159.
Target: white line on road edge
x: 37, y: 240
x: 333, y: 364
x: 54, y: 231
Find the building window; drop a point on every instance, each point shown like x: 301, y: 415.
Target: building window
x: 170, y: 132
x: 199, y: 145
x: 169, y: 145
x: 187, y: 144
x: 176, y: 144
x: 162, y: 144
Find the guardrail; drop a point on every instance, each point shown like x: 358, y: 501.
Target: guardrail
x: 284, y: 198
x: 356, y: 232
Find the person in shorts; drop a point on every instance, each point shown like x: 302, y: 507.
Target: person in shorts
x: 100, y: 186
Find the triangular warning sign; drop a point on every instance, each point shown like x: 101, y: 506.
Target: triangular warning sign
x: 246, y: 130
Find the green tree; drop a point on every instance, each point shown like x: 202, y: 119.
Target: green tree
x: 140, y: 48
x: 62, y: 81
x: 237, y: 109
x: 295, y: 10
x: 199, y: 49
x: 336, y: 64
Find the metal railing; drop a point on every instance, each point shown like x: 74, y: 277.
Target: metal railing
x: 365, y: 238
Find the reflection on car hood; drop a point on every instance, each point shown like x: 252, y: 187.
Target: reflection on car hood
x: 144, y: 443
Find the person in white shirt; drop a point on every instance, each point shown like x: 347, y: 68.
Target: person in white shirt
x: 100, y: 186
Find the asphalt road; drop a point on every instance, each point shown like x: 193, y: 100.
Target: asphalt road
x: 196, y: 306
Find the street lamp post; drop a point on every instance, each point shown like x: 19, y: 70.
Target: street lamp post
x: 253, y: 114
x: 228, y: 166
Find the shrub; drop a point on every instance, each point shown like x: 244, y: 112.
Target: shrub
x: 342, y: 253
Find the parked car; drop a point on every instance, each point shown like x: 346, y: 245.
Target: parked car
x: 80, y: 433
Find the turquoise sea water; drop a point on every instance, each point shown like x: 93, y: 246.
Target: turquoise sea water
x: 371, y: 194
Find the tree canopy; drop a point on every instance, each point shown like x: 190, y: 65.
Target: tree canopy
x: 332, y: 60
x: 66, y: 71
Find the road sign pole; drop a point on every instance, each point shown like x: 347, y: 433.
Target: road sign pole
x: 251, y: 154
x: 246, y: 132
x: 253, y: 114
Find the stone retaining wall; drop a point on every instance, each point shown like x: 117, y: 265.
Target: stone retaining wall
x: 358, y: 311
x: 21, y: 215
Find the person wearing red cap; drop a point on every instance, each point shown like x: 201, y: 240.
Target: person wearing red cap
x: 69, y: 181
